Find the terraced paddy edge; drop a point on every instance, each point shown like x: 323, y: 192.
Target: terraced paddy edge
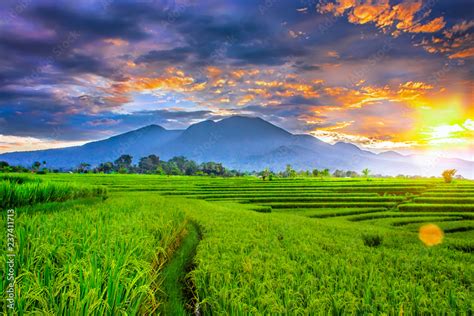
x: 420, y: 207
x: 251, y: 263
x: 383, y: 215
x: 248, y: 262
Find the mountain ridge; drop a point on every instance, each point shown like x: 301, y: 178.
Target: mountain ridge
x: 239, y: 142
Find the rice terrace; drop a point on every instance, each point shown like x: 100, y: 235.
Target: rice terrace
x: 144, y: 244
x: 230, y: 157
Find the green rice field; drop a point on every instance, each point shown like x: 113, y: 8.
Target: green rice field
x: 100, y: 244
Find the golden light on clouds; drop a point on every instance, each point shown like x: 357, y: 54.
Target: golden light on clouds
x: 403, y: 16
x: 431, y: 235
x: 469, y: 52
x: 408, y: 16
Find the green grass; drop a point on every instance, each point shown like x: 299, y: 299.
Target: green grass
x: 258, y: 264
x: 289, y: 246
x: 99, y: 257
x: 419, y: 207
x: 15, y: 194
x: 331, y: 212
x: 18, y: 178
x: 177, y: 295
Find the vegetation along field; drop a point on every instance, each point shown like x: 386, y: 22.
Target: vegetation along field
x: 175, y: 245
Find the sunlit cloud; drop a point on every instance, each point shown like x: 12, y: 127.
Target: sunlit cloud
x: 16, y: 143
x: 468, y: 52
x: 401, y: 16
x: 288, y: 66
x: 333, y: 137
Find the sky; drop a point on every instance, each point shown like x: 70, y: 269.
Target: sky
x: 384, y: 75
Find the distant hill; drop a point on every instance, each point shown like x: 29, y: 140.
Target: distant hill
x: 243, y: 143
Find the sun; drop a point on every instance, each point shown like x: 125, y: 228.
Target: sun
x: 431, y: 235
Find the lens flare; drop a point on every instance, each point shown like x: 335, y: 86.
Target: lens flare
x: 431, y: 235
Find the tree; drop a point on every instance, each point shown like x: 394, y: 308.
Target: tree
x: 123, y: 170
x: 212, y: 168
x: 315, y: 172
x: 290, y: 172
x: 36, y: 165
x: 159, y: 170
x: 351, y: 174
x: 266, y: 174
x: 339, y: 173
x: 448, y: 175
x: 366, y: 173
x: 190, y: 168
x: 325, y: 173
x: 123, y: 162
x: 83, y: 167
x: 148, y: 164
x: 4, y: 166
x: 105, y: 167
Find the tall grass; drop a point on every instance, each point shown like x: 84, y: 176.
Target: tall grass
x: 94, y: 258
x: 15, y: 194
x: 112, y: 257
x: 18, y: 178
x: 251, y: 263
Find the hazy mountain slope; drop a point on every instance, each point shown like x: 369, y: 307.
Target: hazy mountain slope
x: 241, y: 143
x: 138, y: 143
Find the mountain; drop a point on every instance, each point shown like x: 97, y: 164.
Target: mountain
x: 139, y: 143
x: 243, y: 143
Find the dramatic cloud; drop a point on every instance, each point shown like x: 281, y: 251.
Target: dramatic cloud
x: 370, y: 72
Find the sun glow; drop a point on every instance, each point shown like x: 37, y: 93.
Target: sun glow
x: 431, y: 235
x: 445, y: 123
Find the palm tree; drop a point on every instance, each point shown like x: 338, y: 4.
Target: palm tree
x: 366, y: 173
x: 266, y: 174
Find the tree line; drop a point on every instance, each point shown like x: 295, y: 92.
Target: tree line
x: 152, y: 164
x: 180, y: 165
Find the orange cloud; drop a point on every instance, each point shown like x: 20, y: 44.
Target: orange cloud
x: 339, y: 125
x: 456, y: 41
x: 402, y: 16
x: 174, y: 80
x: 246, y: 99
x: 365, y: 13
x: 258, y: 91
x: 290, y: 89
x: 213, y: 72
x: 239, y: 73
x: 367, y: 95
x: 430, y: 27
x: 469, y: 52
x: 411, y: 89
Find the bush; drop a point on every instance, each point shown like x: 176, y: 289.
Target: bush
x: 372, y: 240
